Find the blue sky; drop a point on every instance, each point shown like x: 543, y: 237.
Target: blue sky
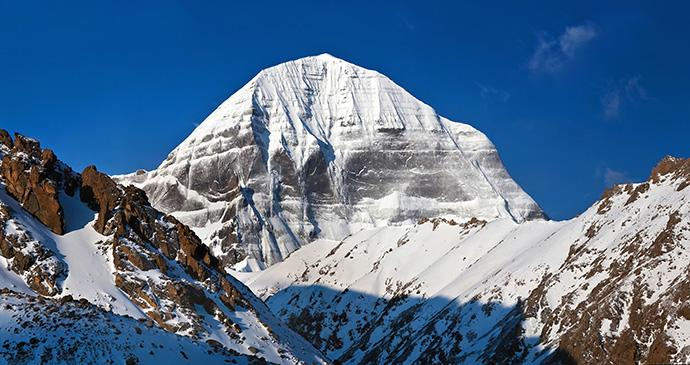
x: 575, y: 95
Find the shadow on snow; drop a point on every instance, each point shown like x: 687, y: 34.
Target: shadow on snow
x: 358, y: 328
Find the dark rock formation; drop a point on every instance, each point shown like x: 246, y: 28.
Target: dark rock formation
x: 35, y: 178
x: 29, y: 258
x: 146, y: 239
x: 141, y: 238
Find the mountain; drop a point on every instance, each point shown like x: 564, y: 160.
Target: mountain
x: 49, y: 331
x: 423, y: 249
x: 609, y: 286
x: 93, y: 274
x: 320, y: 148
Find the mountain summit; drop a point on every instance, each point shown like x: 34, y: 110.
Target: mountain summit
x: 320, y: 148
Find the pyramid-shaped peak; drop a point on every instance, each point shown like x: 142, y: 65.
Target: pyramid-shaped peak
x: 327, y: 56
x: 324, y: 57
x: 326, y: 147
x: 316, y: 65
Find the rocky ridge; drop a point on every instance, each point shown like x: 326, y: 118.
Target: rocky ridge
x: 34, y: 177
x: 609, y: 286
x: 132, y: 259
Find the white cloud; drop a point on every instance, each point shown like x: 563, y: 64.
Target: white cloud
x: 612, y: 103
x: 552, y: 52
x: 488, y: 93
x: 576, y: 36
x: 635, y: 91
x: 613, y: 177
x: 626, y: 91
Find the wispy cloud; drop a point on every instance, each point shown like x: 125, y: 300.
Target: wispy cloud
x: 613, y: 177
x: 626, y: 91
x: 404, y: 20
x: 551, y: 53
x: 491, y: 93
x: 612, y: 103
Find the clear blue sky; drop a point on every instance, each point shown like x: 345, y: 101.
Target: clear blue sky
x: 575, y: 95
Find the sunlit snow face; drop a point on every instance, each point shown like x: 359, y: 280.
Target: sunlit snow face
x: 319, y: 147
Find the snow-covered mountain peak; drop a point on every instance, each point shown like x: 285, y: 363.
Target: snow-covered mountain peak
x: 322, y: 96
x: 320, y: 148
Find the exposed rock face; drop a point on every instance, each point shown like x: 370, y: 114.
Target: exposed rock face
x: 145, y: 239
x: 100, y: 193
x: 319, y: 148
x: 133, y: 260
x: 35, y: 178
x: 28, y: 257
x: 608, y: 287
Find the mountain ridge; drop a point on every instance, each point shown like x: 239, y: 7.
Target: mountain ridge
x: 119, y: 258
x: 609, y: 286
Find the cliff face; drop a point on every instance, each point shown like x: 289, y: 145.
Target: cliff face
x: 82, y: 236
x: 320, y: 148
x: 610, y: 286
x: 34, y: 177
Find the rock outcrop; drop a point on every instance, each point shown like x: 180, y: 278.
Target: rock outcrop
x: 35, y: 177
x: 131, y: 259
x: 28, y: 257
x: 143, y: 239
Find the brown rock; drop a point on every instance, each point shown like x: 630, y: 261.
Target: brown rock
x: 28, y: 259
x: 100, y: 193
x: 30, y: 185
x: 145, y: 239
x: 5, y: 139
x: 48, y: 159
x: 27, y: 145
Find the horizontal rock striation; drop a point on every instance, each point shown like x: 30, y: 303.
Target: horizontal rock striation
x: 319, y: 148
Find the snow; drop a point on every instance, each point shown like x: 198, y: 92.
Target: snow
x: 9, y: 279
x: 438, y: 265
x: 389, y: 159
x: 90, y: 272
x: 89, y: 335
x: 86, y: 257
x: 77, y: 215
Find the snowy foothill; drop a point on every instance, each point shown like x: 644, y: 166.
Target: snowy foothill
x: 447, y: 283
x: 110, y: 322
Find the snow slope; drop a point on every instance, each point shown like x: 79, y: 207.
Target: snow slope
x: 93, y: 281
x: 320, y: 148
x: 165, y: 280
x: 46, y: 331
x: 89, y: 274
x: 610, y: 286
